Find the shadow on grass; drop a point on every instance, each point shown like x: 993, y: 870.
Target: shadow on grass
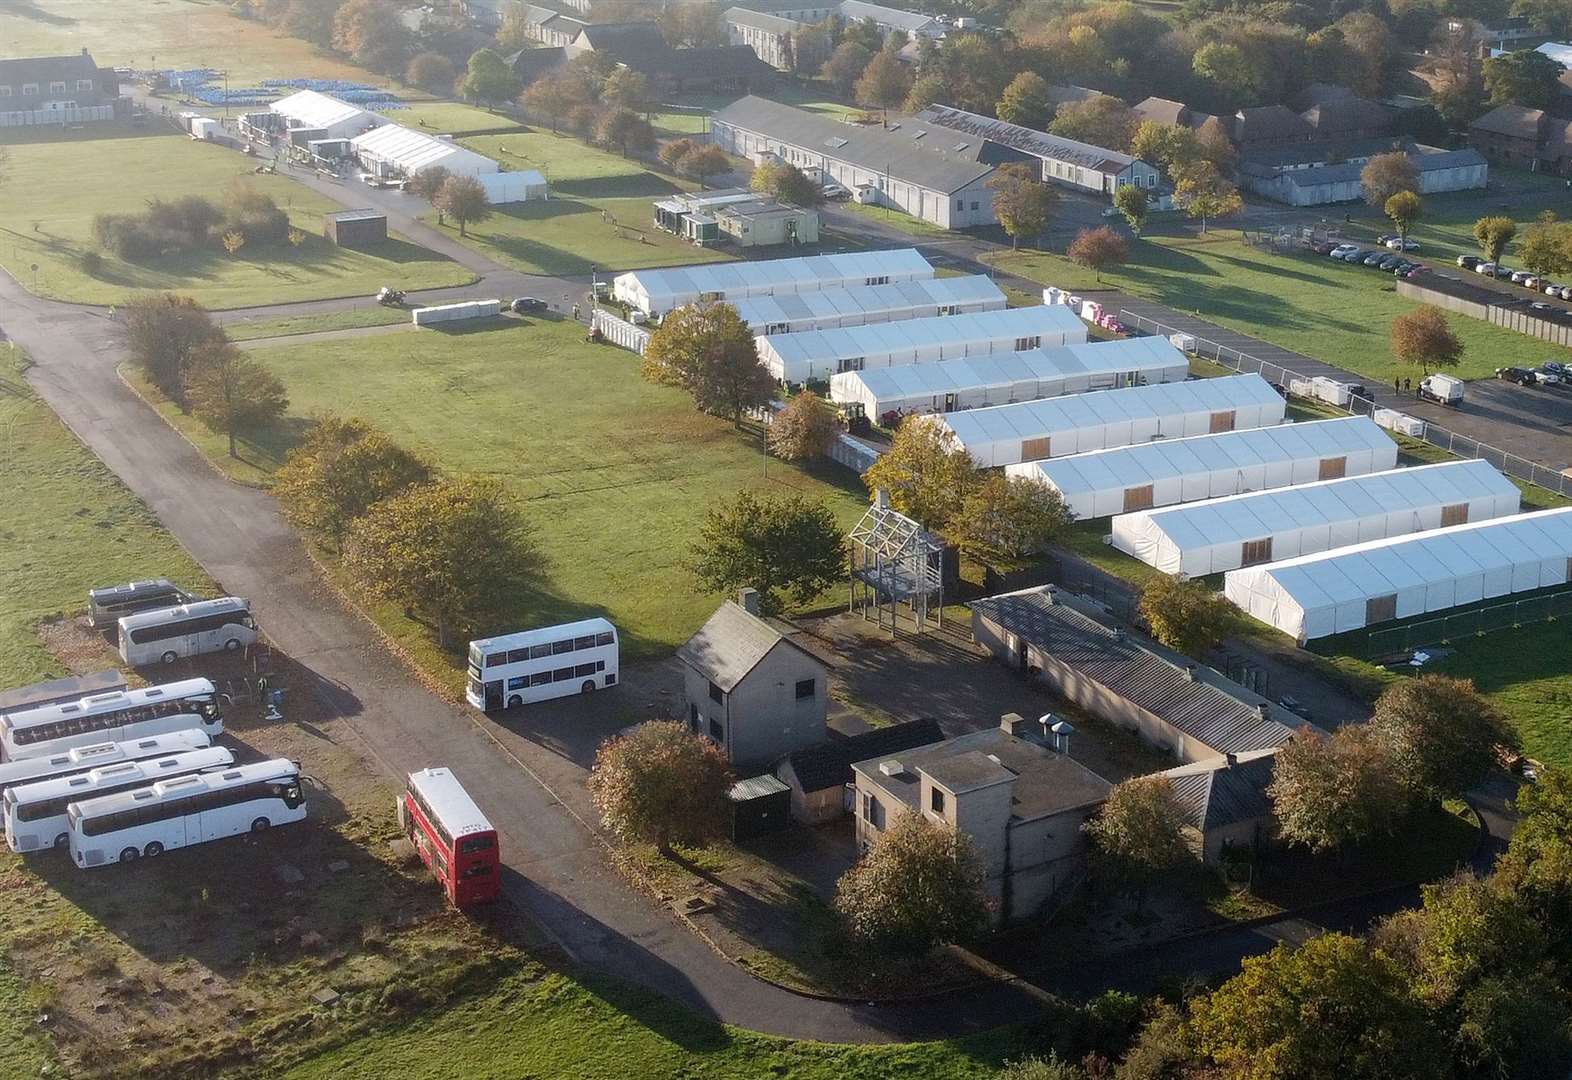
x: 629, y: 186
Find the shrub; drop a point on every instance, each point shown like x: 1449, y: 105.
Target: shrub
x: 92, y: 262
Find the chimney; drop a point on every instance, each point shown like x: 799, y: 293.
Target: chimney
x: 1232, y: 759
x: 1061, y: 736
x: 84, y: 50
x: 1189, y: 672
x: 748, y: 600
x: 881, y: 498
x: 1013, y: 724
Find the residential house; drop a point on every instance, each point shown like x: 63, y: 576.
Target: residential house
x: 751, y: 687
x: 1065, y: 162
x: 1167, y: 111
x: 1507, y: 34
x: 1174, y: 703
x: 639, y: 46
x: 1268, y: 127
x: 1021, y: 803
x: 1226, y: 803
x: 1318, y: 174
x: 550, y: 27
x: 1522, y: 137
x: 56, y: 90
x: 820, y: 777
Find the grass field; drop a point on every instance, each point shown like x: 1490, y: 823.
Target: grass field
x: 46, y: 219
x: 252, y: 329
x: 1331, y: 311
x: 1528, y: 674
x: 449, y: 117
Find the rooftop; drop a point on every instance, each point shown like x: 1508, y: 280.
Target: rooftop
x: 365, y: 214
x: 1027, y: 140
x: 1219, y: 792
x: 830, y: 763
x: 1514, y: 121
x: 731, y: 644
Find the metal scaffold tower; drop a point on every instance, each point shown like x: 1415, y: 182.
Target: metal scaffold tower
x: 895, y: 562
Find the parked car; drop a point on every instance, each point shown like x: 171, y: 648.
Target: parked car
x: 1541, y: 306
x: 1415, y: 272
x: 1519, y: 277
x: 1521, y: 376
x: 1533, y: 281
x: 525, y: 304
x: 1485, y: 268
x: 1547, y: 378
x: 1374, y: 258
x: 1557, y: 367
x: 1342, y: 251
x: 1320, y: 247
x: 1468, y: 262
x: 1397, y: 243
x: 1384, y: 237
x: 1388, y: 263
x: 836, y: 192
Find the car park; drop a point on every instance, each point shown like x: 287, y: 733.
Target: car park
x: 1468, y: 262
x: 1541, y: 306
x: 1521, y: 376
x: 1556, y: 367
x: 1341, y: 251
x: 1323, y: 247
x: 1547, y: 378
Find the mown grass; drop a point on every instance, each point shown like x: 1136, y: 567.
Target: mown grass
x: 449, y: 117
x: 54, y: 189
x: 1527, y: 673
x: 289, y: 325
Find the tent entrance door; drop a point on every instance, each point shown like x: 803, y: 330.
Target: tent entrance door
x: 949, y: 402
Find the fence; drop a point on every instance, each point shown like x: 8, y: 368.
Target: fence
x: 1434, y: 434
x: 1404, y: 639
x: 56, y: 117
x: 620, y: 331
x: 857, y: 456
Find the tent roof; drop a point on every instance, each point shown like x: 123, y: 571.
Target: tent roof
x: 939, y: 330
x: 313, y: 110
x: 414, y: 150
x: 1007, y: 369
x: 859, y: 299
x: 811, y: 270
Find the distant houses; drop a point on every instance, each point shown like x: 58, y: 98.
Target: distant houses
x: 1316, y: 174
x: 767, y: 26
x: 1524, y: 138
x: 56, y: 90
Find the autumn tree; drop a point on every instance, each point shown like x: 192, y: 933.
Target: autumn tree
x: 1025, y: 101
x: 811, y: 47
x: 431, y: 71
x: 1170, y: 147
x: 1546, y: 246
x: 488, y: 77
x: 231, y: 392
x: 1203, y: 193
x: 804, y: 429
x: 927, y: 473
x: 1493, y: 234
x: 310, y: 20
x: 628, y: 88
x: 163, y: 332
x: 927, y: 89
x: 661, y: 784
x: 1133, y: 203
x: 1139, y: 833
x: 787, y: 183
x: 1216, y: 148
x: 556, y: 95
x: 884, y: 83
x: 1021, y: 201
x: 453, y: 552
x: 1008, y: 517
x: 1185, y: 615
x: 920, y: 885
x: 692, y: 25
x: 1525, y: 77
x: 784, y: 546
x: 673, y: 153
x: 1334, y: 791
x: 845, y: 66
x: 338, y: 472
x: 705, y: 162
x: 1404, y: 209
x: 1384, y: 175
x: 1441, y: 733
x: 707, y: 350
x: 1097, y: 249
x: 1102, y: 120
x: 427, y: 182
x: 1423, y: 337
x: 626, y: 130
x: 370, y: 33
x: 463, y: 199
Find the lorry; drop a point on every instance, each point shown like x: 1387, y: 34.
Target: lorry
x: 1442, y: 389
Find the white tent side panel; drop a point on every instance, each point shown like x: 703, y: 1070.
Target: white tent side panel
x: 1216, y: 535
x: 1335, y: 592
x: 512, y: 187
x: 398, y: 149
x: 1057, y: 427
x: 1171, y: 471
x: 652, y: 291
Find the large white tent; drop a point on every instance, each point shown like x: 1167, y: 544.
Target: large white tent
x: 323, y: 112
x: 1262, y: 526
x: 395, y: 150
x: 656, y: 291
x: 1007, y: 377
x: 861, y: 305
x: 1173, y: 471
x: 1354, y: 587
x: 1056, y: 427
x: 819, y: 354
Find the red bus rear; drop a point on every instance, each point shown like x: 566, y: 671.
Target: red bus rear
x: 454, y: 839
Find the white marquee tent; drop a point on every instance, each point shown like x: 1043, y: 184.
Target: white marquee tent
x: 653, y: 291
x: 861, y: 305
x: 511, y: 187
x: 1016, y: 376
x: 819, y: 354
x: 395, y: 150
x: 338, y: 119
x: 1173, y: 471
x: 1354, y: 587
x: 1262, y: 526
x: 1056, y: 427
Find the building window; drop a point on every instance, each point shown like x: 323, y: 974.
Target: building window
x: 5, y: 91
x: 717, y: 732
x: 850, y: 363
x: 57, y: 88
x: 30, y: 89
x: 1222, y: 421
x: 84, y: 84
x: 960, y: 204
x: 804, y: 688
x: 936, y: 800
x: 716, y: 696
x: 974, y: 205
x: 1024, y: 343
x: 693, y: 718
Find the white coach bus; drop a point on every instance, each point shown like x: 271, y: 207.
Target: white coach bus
x: 35, y: 814
x: 118, y: 716
x: 164, y: 635
x: 184, y: 811
x: 537, y: 665
x: 82, y: 758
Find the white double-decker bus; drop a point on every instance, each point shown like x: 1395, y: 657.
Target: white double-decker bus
x: 35, y: 814
x: 117, y: 716
x: 164, y: 635
x: 184, y: 811
x: 94, y: 756
x: 537, y: 665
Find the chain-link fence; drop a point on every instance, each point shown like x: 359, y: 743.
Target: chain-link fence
x: 1466, y: 624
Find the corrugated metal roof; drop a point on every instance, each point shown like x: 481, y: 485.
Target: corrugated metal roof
x: 911, y: 21
x: 756, y: 787
x: 682, y: 284
x: 1215, y: 793
x: 1028, y: 140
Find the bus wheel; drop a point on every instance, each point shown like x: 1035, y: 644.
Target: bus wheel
x: 153, y: 849
x: 232, y: 644
x: 129, y: 854
x: 515, y: 701
x: 62, y: 841
x: 589, y: 686
x: 169, y: 657
x: 260, y: 824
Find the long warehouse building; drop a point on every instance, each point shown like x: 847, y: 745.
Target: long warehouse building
x: 1351, y: 588
x: 1057, y: 427
x: 658, y: 291
x: 1172, y: 471
x: 1009, y: 377
x: 816, y: 355
x: 866, y: 305
x: 1264, y: 526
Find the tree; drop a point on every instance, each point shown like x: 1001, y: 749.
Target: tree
x: 555, y: 95
x: 1387, y: 174
x: 845, y: 66
x: 1098, y: 248
x: 926, y: 90
x: 628, y: 88
x: 432, y: 72
x: 1102, y: 120
x: 707, y: 350
x: 1493, y: 234
x: 1168, y: 146
x: 692, y: 25
x: 371, y: 33
x: 488, y: 77
x: 705, y: 162
x: 1546, y: 246
x: 1008, y: 517
x: 1330, y: 1008
x: 673, y: 153
x: 884, y: 83
x: 1036, y: 1068
x: 1226, y: 66
x: 514, y: 32
x: 626, y: 130
x: 1021, y: 201
x: 1526, y: 77
x: 783, y: 546
x: 804, y: 429
x: 1185, y: 615
x: 811, y: 46
x: 230, y: 392
x: 1215, y: 146
x: 1404, y: 209
x: 1025, y: 101
x: 1132, y: 202
x: 428, y: 182
x: 1423, y: 337
x: 1203, y: 193
x: 1138, y: 834
x: 454, y: 552
x: 311, y: 20
x: 661, y: 784
x: 340, y: 470
x: 1441, y: 733
x: 927, y: 473
x: 920, y: 885
x: 787, y: 183
x: 163, y: 332
x: 1332, y: 791
x: 464, y: 200
x: 1553, y: 18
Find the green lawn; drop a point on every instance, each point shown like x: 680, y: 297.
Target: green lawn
x: 55, y: 188
x: 251, y: 329
x: 1331, y: 311
x: 1527, y: 673
x: 449, y: 117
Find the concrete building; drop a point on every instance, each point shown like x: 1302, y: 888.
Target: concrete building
x: 1065, y: 162
x: 1021, y: 803
x: 550, y: 27
x: 1175, y: 704
x: 1523, y: 138
x: 751, y: 688
x: 56, y: 90
x: 355, y: 228
x: 820, y: 777
x: 768, y: 35
x: 1226, y: 803
x: 1302, y: 176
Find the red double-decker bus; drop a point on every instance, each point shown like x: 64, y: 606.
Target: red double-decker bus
x: 453, y: 837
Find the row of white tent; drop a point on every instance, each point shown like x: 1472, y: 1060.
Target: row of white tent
x: 1008, y: 377
x: 862, y: 305
x: 1058, y: 427
x: 1209, y: 537
x: 658, y: 291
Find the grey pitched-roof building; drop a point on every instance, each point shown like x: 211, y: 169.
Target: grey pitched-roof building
x: 1064, y: 161
x: 56, y: 89
x: 1225, y: 801
x: 1303, y: 176
x: 819, y: 775
x: 640, y: 46
x: 1267, y: 126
